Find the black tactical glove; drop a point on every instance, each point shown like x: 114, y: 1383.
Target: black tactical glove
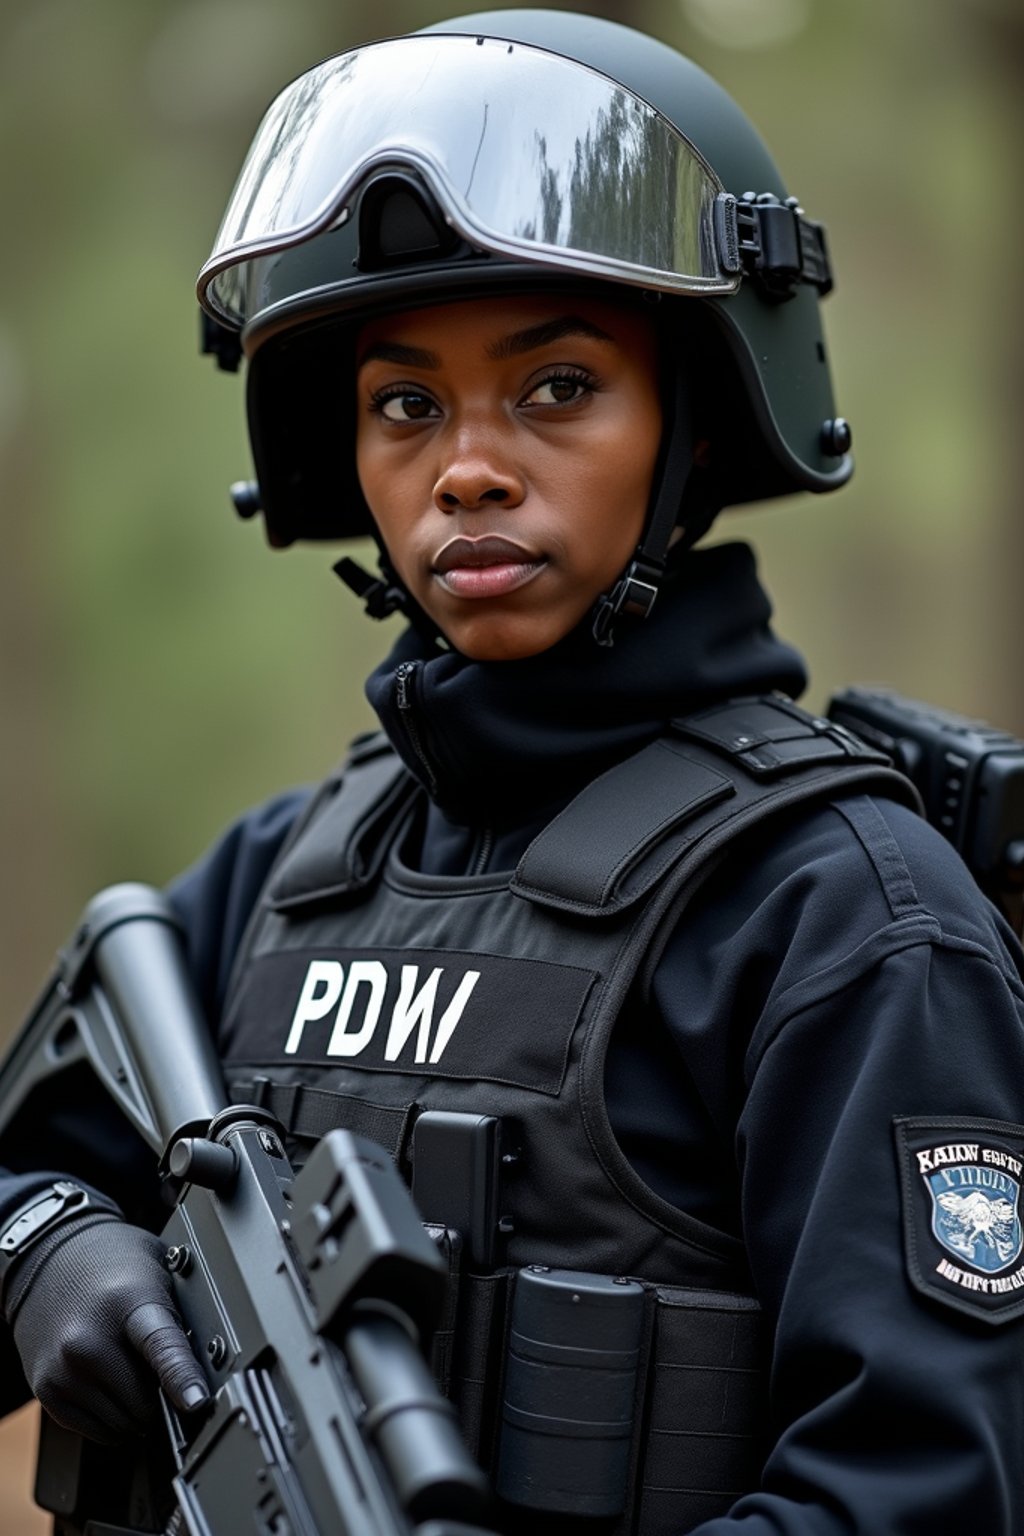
x: 90, y: 1305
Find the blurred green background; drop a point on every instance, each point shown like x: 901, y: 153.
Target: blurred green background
x: 159, y: 670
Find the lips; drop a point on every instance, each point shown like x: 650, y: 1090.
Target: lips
x: 491, y: 549
x: 488, y: 566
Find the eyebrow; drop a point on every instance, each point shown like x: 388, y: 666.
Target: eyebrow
x: 513, y: 345
x: 541, y: 335
x: 398, y: 352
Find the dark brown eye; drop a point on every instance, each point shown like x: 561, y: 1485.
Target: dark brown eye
x: 559, y: 389
x: 406, y: 407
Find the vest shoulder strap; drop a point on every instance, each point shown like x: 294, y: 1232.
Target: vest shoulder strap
x: 351, y: 829
x: 680, y: 801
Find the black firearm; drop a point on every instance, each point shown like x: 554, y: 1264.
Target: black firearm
x: 310, y: 1299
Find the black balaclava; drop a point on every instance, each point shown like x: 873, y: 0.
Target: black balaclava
x: 497, y: 741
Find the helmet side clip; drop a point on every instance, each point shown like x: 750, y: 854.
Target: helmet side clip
x: 219, y: 341
x: 773, y: 243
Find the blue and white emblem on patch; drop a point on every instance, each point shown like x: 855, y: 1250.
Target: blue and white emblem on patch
x: 976, y: 1215
x: 963, y: 1228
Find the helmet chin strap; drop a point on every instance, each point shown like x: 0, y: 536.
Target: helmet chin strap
x: 381, y: 595
x: 634, y: 594
x: 385, y: 594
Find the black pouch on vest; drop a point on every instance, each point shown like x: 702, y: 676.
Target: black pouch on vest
x: 570, y: 1385
x: 704, y: 1436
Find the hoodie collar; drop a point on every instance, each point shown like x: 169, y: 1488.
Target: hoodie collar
x: 496, y: 742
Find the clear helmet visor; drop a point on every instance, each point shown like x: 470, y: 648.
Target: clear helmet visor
x: 531, y: 156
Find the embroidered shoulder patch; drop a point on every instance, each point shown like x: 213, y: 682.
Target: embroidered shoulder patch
x: 963, y: 1224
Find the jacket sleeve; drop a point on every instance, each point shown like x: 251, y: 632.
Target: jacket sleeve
x: 215, y: 897
x: 73, y: 1128
x: 897, y: 1394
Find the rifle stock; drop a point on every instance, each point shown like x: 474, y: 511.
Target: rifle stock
x: 309, y: 1299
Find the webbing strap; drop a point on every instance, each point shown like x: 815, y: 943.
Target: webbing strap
x: 478, y: 1360
x: 309, y: 1113
x: 770, y: 735
x: 442, y: 1345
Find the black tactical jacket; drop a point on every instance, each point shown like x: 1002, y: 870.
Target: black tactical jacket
x: 832, y: 1071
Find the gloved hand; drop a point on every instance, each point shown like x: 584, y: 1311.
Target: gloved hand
x: 93, y: 1319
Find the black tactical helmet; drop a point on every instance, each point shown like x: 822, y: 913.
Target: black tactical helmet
x: 502, y: 151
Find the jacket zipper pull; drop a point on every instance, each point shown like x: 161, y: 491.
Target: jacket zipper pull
x: 403, y: 690
x: 482, y: 856
x: 405, y: 698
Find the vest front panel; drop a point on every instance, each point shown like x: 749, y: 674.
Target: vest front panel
x: 367, y: 994
x: 454, y: 994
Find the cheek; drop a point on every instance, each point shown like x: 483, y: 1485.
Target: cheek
x: 626, y: 477
x: 383, y: 489
x: 367, y: 466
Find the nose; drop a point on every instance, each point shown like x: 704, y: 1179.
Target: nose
x: 477, y: 473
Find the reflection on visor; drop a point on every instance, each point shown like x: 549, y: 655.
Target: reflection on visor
x: 531, y: 156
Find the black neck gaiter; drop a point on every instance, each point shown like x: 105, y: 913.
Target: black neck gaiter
x: 496, y: 741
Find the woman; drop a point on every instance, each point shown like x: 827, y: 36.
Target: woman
x: 508, y: 303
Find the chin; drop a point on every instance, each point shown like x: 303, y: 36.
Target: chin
x: 486, y: 641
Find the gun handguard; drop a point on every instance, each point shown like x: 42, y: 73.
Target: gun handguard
x: 310, y: 1300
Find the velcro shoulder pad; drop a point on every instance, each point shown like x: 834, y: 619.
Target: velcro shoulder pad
x: 343, y: 843
x: 677, y: 803
x: 585, y: 858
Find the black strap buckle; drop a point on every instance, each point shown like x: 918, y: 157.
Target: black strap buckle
x: 220, y: 341
x: 774, y: 243
x: 380, y: 597
x: 38, y: 1216
x: 633, y: 594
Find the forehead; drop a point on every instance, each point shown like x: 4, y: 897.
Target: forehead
x: 486, y: 325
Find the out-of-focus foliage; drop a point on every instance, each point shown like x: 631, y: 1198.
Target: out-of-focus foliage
x: 160, y: 670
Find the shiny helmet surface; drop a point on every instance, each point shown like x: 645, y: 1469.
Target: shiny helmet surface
x: 494, y: 153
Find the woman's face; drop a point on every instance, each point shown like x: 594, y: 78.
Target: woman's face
x: 506, y: 450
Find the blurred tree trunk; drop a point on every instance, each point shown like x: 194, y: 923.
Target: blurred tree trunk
x: 1001, y: 27
x: 29, y: 837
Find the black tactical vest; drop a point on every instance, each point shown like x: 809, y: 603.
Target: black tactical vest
x: 368, y: 994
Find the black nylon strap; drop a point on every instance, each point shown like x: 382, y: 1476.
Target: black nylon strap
x: 310, y: 1113
x: 241, y: 961
x: 477, y: 1364
x: 673, y: 473
x: 636, y: 590
x: 770, y: 736
x: 348, y: 843
x: 442, y: 1346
